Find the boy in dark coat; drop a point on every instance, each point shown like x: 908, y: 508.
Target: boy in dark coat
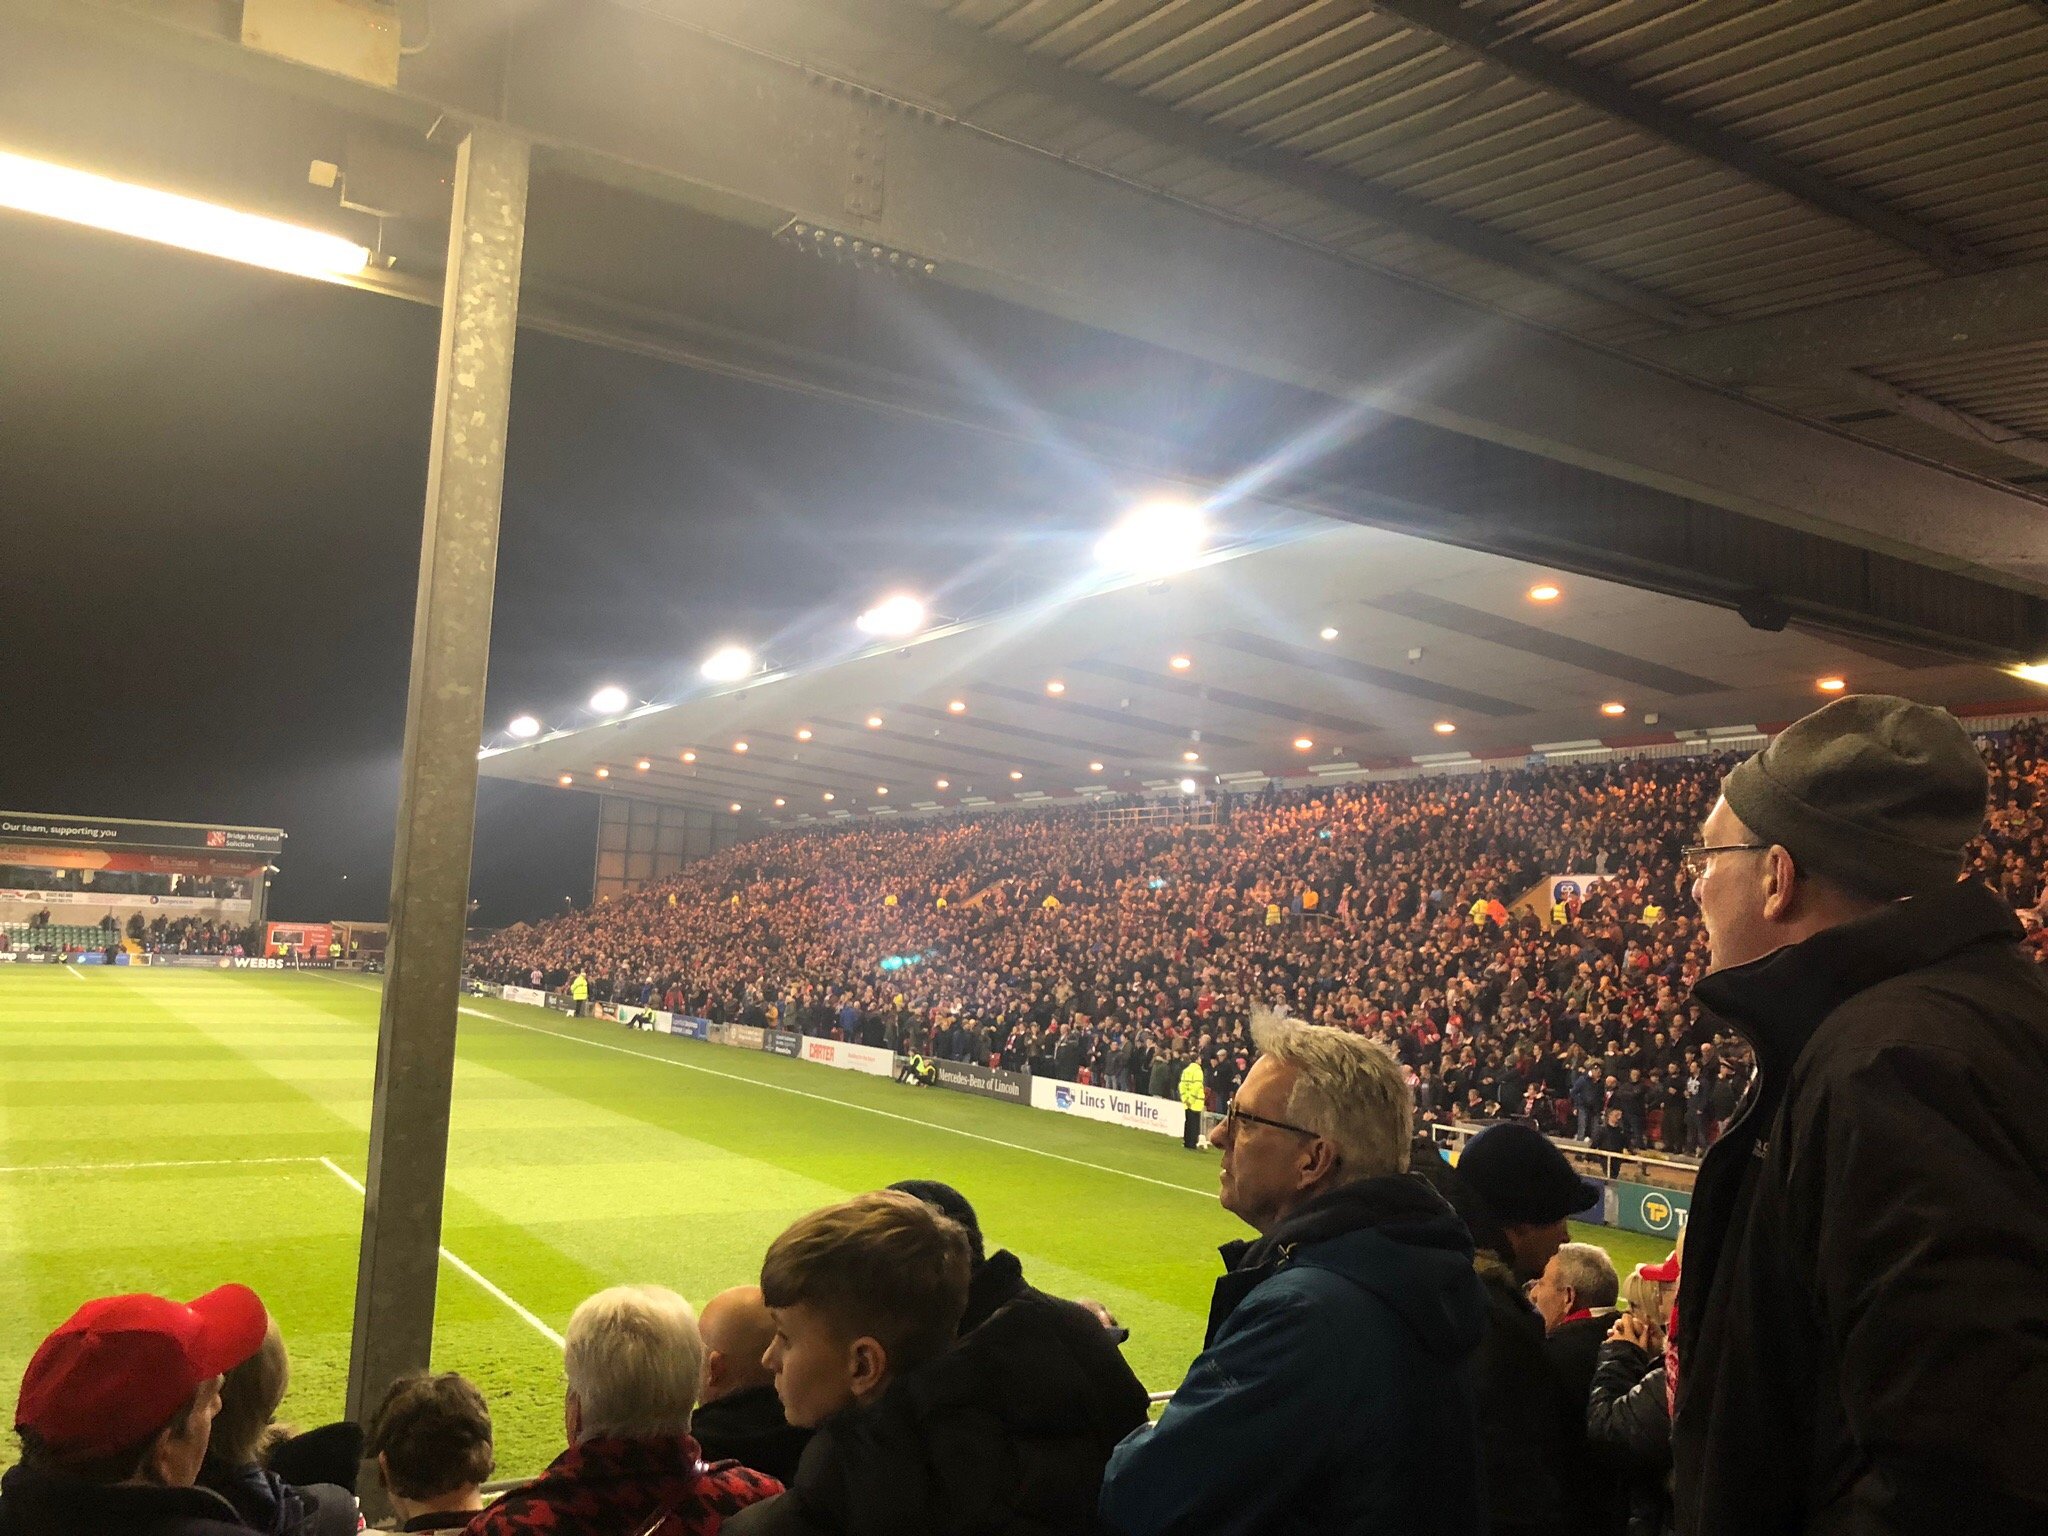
x: 1006, y: 1430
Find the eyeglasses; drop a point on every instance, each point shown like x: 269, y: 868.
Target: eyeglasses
x: 1693, y: 860
x: 1237, y: 1119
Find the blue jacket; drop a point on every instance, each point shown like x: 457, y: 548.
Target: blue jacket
x: 1336, y: 1391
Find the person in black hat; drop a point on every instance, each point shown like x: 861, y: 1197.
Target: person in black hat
x: 1863, y: 1314
x: 1515, y: 1191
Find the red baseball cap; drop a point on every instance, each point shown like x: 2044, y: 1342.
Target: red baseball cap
x: 1662, y: 1273
x: 118, y: 1370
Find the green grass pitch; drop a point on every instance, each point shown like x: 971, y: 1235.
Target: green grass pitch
x: 170, y: 1130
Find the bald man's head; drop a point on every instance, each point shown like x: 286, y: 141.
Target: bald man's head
x: 737, y: 1330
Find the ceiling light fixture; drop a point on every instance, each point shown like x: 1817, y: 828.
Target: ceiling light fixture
x: 689, y: 757
x: 735, y: 807
x: 1095, y: 767
x: 1327, y: 632
x: 609, y: 699
x: 727, y: 664
x: 893, y: 617
x: 957, y: 707
x: 642, y: 766
x: 1443, y: 727
x: 1181, y: 663
x: 874, y: 722
x: 566, y: 779
x: 1191, y: 757
x: 1614, y: 708
x: 525, y: 727
x: 803, y: 733
x: 1304, y: 744
x: 1155, y: 538
x: 1189, y: 786
x: 830, y: 796
x: 945, y: 783
x: 881, y: 789
x: 1545, y: 592
x: 739, y: 746
x: 122, y: 208
x: 780, y: 802
x: 1830, y: 684
x: 604, y: 773
x: 1016, y: 773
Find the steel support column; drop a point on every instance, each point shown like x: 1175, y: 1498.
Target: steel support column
x: 399, y: 1264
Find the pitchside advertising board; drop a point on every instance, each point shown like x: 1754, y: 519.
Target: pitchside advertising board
x: 782, y: 1042
x: 1650, y: 1208
x: 1136, y: 1110
x: 989, y: 1082
x: 103, y: 832
x: 854, y: 1058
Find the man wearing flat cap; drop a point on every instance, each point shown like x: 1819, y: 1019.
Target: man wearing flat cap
x: 1863, y: 1315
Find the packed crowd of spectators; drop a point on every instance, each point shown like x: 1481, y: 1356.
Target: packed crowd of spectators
x: 122, y: 882
x: 1116, y: 955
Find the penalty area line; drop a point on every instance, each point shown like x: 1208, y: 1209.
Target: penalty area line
x: 183, y: 1162
x: 466, y: 1270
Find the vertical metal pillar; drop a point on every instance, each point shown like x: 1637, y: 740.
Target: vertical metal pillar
x: 399, y: 1264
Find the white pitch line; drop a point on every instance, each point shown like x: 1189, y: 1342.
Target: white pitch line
x: 76, y: 974
x: 866, y: 1109
x: 187, y: 1162
x: 467, y: 1270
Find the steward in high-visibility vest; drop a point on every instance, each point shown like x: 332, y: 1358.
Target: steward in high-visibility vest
x: 579, y: 989
x: 1194, y: 1098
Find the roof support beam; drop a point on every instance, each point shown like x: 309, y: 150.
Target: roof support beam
x: 1957, y: 314
x: 746, y: 111
x: 1473, y: 31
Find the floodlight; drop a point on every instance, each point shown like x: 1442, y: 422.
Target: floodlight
x: 1155, y: 538
x: 2032, y: 672
x: 1830, y: 684
x: 727, y: 664
x: 893, y: 617
x: 525, y: 727
x: 1189, y: 787
x: 610, y: 699
x: 122, y: 208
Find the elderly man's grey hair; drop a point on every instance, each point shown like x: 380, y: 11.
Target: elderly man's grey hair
x: 635, y: 1360
x: 1590, y: 1273
x: 1349, y: 1091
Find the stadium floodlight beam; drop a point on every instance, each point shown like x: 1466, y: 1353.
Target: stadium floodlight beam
x: 893, y: 617
x: 727, y: 664
x: 611, y: 699
x: 122, y: 208
x: 525, y: 727
x: 1155, y: 538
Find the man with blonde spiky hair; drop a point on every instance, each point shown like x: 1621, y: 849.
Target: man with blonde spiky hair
x: 1333, y: 1392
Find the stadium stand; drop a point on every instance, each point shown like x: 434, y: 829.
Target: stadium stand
x: 1105, y: 953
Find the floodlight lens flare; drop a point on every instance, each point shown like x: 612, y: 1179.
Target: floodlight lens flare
x: 893, y: 617
x: 525, y: 727
x: 609, y: 700
x: 1155, y: 538
x: 122, y: 208
x: 727, y: 664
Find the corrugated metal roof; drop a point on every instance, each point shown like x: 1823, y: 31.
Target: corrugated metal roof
x: 1934, y: 112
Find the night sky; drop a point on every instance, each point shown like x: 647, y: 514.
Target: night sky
x: 211, y: 482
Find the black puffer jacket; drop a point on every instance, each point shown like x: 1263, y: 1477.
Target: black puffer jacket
x: 34, y: 1502
x: 1863, y: 1317
x: 1004, y: 1435
x: 1628, y: 1424
x: 271, y: 1506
